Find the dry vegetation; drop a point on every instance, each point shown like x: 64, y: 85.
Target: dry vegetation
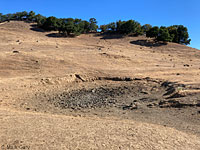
x: 94, y: 92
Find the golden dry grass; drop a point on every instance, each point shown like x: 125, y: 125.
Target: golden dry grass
x: 45, y: 63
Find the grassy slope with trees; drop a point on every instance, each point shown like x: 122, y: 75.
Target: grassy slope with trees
x: 73, y: 27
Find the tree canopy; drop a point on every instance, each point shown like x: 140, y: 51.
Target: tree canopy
x: 176, y: 33
x: 73, y: 27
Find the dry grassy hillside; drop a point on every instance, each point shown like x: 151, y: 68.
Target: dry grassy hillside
x: 96, y: 92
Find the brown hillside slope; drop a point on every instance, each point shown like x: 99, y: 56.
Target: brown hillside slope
x: 35, y: 67
x: 39, y: 131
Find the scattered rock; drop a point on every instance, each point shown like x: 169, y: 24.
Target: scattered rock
x: 116, y: 78
x: 144, y: 92
x: 137, y: 79
x: 170, y: 91
x: 176, y: 95
x: 79, y: 77
x: 186, y: 65
x: 147, y: 99
x: 152, y: 105
x: 15, y: 51
x: 174, y: 104
x: 166, y: 84
x: 130, y: 107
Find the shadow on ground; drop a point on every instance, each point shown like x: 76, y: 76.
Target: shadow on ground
x: 59, y: 35
x: 35, y: 28
x: 54, y: 35
x: 148, y: 43
x: 110, y: 35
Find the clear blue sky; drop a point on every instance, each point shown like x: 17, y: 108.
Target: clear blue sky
x: 155, y: 12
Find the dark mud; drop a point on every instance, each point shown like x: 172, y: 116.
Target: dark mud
x: 145, y: 100
x: 121, y: 96
x: 129, y: 95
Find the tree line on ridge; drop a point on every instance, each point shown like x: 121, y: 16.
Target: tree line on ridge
x: 74, y: 27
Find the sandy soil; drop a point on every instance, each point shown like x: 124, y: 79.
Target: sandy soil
x: 96, y: 92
